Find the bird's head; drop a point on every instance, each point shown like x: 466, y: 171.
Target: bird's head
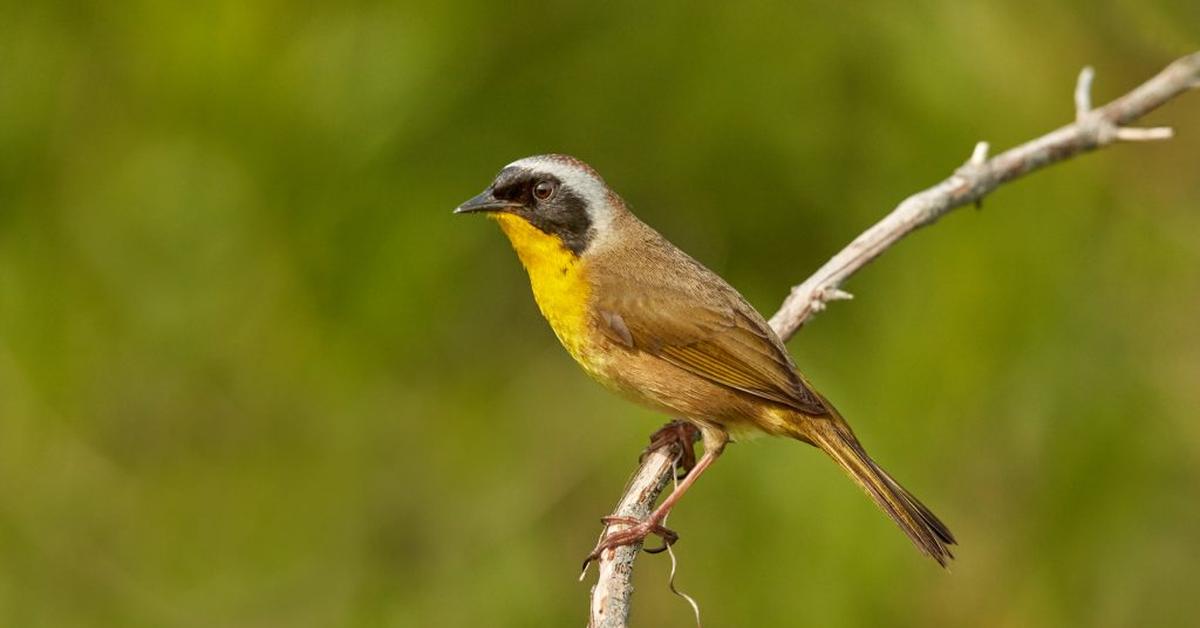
x: 558, y: 195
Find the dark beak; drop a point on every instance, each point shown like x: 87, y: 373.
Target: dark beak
x: 485, y: 202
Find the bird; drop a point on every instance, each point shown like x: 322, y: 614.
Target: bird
x: 659, y: 328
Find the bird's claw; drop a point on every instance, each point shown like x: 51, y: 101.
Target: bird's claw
x: 681, y: 432
x: 637, y: 532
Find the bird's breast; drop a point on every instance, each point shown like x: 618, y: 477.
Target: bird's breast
x: 559, y: 281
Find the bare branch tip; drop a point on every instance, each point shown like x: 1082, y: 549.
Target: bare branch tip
x: 980, y: 155
x: 1136, y: 134
x: 1083, y: 92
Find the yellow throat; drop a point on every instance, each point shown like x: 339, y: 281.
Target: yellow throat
x: 558, y: 279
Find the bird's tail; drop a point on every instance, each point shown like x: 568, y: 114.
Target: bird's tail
x: 927, y: 532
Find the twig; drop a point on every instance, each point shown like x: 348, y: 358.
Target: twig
x: 1083, y: 92
x: 1092, y: 129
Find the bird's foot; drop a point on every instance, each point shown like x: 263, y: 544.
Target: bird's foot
x: 681, y: 432
x: 637, y: 532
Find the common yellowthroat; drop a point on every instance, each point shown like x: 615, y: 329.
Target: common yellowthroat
x: 656, y: 326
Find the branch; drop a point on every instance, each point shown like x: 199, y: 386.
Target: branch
x: 1092, y: 129
x: 610, y: 596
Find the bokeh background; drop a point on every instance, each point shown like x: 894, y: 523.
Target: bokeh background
x: 253, y: 372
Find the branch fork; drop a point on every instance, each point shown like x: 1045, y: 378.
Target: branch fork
x: 1103, y: 130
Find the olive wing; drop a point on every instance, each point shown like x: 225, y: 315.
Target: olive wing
x: 721, y: 339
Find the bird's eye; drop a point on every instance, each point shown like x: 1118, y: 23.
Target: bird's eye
x: 543, y: 190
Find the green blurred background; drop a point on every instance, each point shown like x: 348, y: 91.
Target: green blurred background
x: 253, y: 372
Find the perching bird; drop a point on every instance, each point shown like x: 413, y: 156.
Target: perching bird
x: 656, y: 326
